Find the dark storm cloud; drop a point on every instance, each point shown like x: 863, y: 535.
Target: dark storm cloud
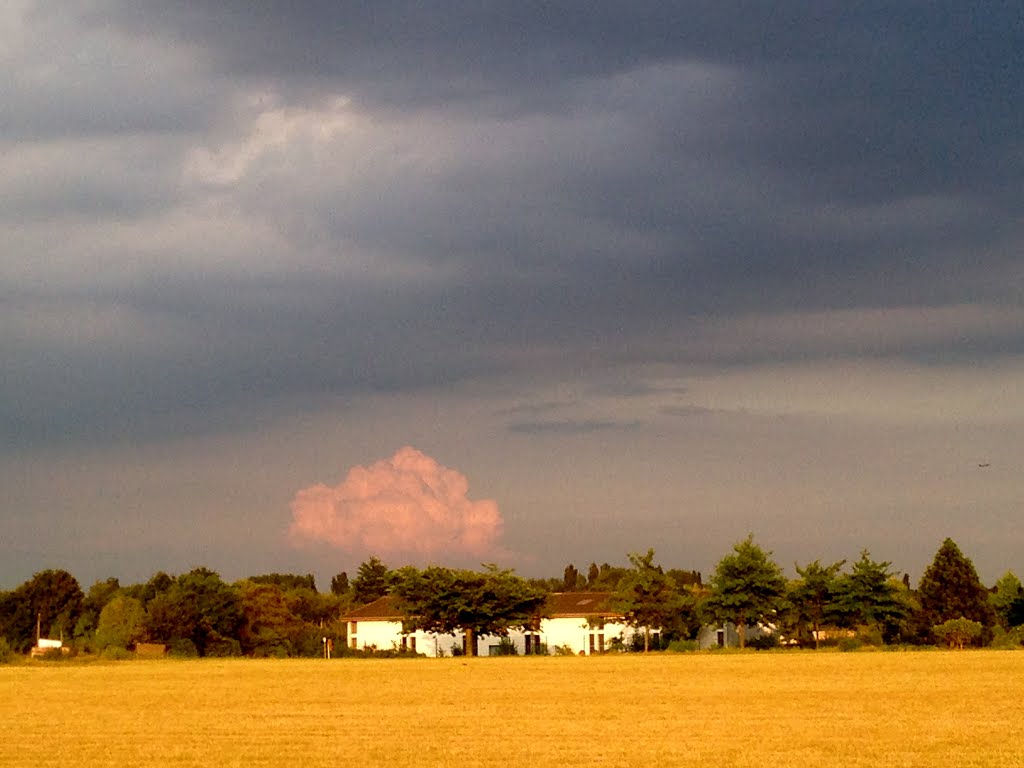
x: 831, y: 108
x: 614, y: 179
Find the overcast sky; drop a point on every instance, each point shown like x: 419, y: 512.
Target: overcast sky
x: 287, y: 284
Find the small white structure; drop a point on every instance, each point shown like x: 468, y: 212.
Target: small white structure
x: 44, y: 645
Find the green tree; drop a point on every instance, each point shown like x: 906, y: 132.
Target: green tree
x: 605, y: 578
x: 572, y: 579
x: 1008, y: 600
x: 647, y: 597
x: 51, y: 600
x: 870, y: 598
x: 958, y: 632
x: 340, y: 585
x: 371, y: 581
x: 121, y: 623
x: 950, y: 589
x: 269, y: 627
x: 198, y: 607
x: 99, y: 594
x: 478, y: 604
x: 811, y: 597
x: 287, y: 581
x: 746, y: 588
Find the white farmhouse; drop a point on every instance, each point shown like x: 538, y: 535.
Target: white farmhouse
x: 378, y: 626
x: 572, y: 622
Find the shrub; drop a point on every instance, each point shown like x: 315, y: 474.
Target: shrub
x: 763, y: 642
x: 115, y: 653
x: 182, y: 648
x: 958, y: 632
x: 1008, y: 640
x: 506, y: 647
x: 564, y: 650
x: 847, y: 644
x: 224, y: 647
x: 6, y: 652
x: 682, y: 646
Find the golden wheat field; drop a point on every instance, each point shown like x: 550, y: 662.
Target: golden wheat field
x: 757, y: 709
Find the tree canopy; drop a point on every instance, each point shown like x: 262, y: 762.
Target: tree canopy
x: 747, y: 588
x: 812, y: 598
x: 867, y: 597
x: 371, y: 581
x: 647, y: 597
x: 446, y: 601
x: 950, y: 589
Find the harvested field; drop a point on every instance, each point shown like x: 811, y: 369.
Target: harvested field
x: 756, y: 709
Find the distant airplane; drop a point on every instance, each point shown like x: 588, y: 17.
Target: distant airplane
x: 986, y: 464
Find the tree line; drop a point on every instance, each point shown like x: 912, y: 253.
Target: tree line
x: 198, y: 614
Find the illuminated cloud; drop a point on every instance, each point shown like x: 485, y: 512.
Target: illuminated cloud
x: 407, y: 504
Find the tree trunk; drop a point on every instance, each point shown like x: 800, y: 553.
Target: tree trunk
x: 647, y: 639
x: 470, y: 642
x: 741, y: 629
x: 817, y: 634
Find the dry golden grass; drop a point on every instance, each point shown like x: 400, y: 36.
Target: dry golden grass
x: 779, y: 709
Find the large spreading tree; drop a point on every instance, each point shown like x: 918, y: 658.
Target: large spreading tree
x: 448, y: 601
x: 747, y: 588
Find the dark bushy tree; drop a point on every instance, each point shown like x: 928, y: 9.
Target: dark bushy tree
x: 747, y: 588
x: 198, y: 607
x: 51, y: 599
x: 371, y: 581
x: 572, y: 579
x: 340, y: 585
x: 950, y: 589
x: 1008, y: 601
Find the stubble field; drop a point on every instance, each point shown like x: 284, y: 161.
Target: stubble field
x: 790, y: 709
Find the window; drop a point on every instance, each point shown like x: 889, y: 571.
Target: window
x: 597, y: 642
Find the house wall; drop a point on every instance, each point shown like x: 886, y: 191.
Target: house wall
x: 572, y: 632
x: 384, y: 635
x: 708, y: 636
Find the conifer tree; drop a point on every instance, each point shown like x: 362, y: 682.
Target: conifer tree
x: 950, y: 589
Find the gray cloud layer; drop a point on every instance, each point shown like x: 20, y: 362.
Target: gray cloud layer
x: 212, y: 208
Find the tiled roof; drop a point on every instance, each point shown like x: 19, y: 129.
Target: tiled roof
x: 572, y: 604
x: 381, y: 609
x: 558, y: 605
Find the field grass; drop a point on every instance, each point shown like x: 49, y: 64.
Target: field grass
x: 759, y: 709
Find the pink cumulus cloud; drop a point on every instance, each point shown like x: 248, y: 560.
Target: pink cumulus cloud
x: 407, y: 504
